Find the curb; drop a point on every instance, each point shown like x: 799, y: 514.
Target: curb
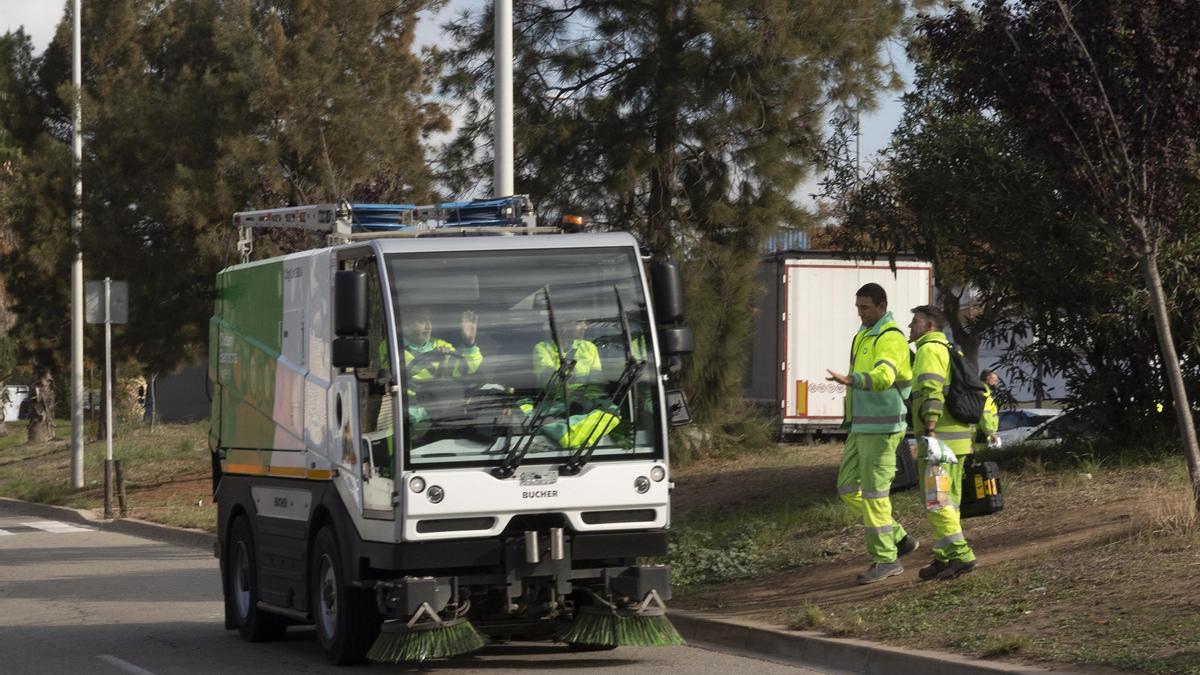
x: 131, y: 526
x: 814, y: 650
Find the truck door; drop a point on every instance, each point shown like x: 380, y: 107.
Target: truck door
x: 375, y: 418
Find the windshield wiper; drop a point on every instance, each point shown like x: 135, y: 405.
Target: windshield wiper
x: 629, y: 376
x: 542, y: 406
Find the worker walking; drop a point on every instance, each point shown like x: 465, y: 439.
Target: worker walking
x: 989, y: 423
x: 877, y: 387
x: 952, y: 556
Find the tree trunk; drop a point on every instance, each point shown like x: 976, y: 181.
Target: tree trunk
x: 662, y: 177
x: 152, y: 400
x: 1166, y: 345
x: 41, y: 407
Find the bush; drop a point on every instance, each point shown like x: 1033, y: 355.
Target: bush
x: 699, y: 558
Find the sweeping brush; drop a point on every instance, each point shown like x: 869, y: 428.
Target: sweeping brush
x: 646, y: 630
x: 399, y: 642
x: 591, y: 627
x: 606, y: 628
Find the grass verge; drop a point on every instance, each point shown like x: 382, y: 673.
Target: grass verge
x: 1093, y: 563
x: 166, y: 472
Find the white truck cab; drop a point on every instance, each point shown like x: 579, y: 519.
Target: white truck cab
x: 456, y: 417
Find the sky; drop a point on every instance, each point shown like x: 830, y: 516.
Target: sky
x: 41, y: 17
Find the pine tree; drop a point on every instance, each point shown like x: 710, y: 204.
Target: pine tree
x: 193, y: 111
x: 688, y: 122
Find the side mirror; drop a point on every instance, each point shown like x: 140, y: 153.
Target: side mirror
x: 677, y: 340
x: 678, y: 414
x: 349, y: 303
x: 351, y: 352
x: 668, y: 292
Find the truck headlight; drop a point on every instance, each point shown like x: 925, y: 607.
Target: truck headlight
x: 436, y: 494
x: 657, y: 474
x: 417, y: 484
x: 642, y: 485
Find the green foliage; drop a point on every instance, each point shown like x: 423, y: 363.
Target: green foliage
x: 191, y: 112
x: 689, y: 123
x: 976, y: 180
x: 700, y: 558
x: 1104, y: 95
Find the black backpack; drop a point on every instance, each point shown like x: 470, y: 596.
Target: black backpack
x: 964, y: 398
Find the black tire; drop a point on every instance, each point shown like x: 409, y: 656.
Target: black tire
x: 347, y: 619
x: 241, y: 589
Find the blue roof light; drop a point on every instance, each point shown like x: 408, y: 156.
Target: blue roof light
x: 505, y: 211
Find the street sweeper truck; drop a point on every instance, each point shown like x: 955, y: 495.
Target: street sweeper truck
x: 448, y: 425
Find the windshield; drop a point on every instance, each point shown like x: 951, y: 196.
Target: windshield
x: 479, y: 353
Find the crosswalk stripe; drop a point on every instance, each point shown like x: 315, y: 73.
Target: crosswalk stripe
x: 5, y: 532
x: 55, y: 526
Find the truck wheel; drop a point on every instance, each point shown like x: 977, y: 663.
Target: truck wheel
x: 241, y: 589
x: 346, y: 618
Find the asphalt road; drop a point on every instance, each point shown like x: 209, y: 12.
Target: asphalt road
x: 80, y: 600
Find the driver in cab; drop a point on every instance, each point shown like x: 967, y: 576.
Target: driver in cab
x: 427, y: 357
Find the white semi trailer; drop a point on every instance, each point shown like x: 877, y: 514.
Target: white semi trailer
x: 447, y: 415
x: 804, y: 322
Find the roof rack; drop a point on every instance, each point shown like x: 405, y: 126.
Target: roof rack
x: 349, y: 222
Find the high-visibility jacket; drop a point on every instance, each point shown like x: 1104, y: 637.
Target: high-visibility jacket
x: 881, y: 379
x: 931, y: 373
x: 587, y: 360
x: 472, y: 358
x: 989, y: 422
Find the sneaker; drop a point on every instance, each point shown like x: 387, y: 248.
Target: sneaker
x: 955, y: 568
x: 907, y: 545
x: 933, y: 569
x: 879, y: 572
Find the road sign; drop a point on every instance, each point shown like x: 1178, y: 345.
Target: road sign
x: 118, y: 301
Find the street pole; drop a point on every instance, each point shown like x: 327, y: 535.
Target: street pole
x: 502, y: 184
x: 108, y: 458
x: 77, y: 263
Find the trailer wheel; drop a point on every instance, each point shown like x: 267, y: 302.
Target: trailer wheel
x: 241, y: 589
x: 346, y: 618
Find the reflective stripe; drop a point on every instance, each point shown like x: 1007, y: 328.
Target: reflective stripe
x: 954, y: 435
x: 932, y: 405
x: 848, y: 489
x: 900, y: 384
x: 885, y: 362
x: 889, y: 419
x: 946, y: 541
x: 866, y: 379
x: 930, y: 376
x: 884, y: 529
x: 882, y: 494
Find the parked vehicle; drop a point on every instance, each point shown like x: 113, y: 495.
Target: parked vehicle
x: 1069, y: 425
x: 390, y: 494
x: 804, y: 324
x: 1016, y: 425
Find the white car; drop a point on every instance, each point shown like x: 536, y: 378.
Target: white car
x: 1068, y: 426
x: 1016, y: 425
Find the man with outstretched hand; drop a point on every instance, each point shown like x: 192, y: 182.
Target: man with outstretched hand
x: 877, y: 387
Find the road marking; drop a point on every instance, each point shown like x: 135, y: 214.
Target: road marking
x: 5, y: 532
x: 123, y: 665
x: 56, y: 527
